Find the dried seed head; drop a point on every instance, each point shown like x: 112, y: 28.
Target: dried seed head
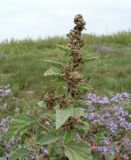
x: 49, y: 99
x: 75, y: 76
x: 67, y: 70
x: 71, y: 123
x: 63, y: 101
x: 76, y: 43
x: 77, y: 17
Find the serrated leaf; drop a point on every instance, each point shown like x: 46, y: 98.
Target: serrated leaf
x: 59, y: 150
x: 99, y: 137
x: 55, y: 63
x: 65, y: 49
x: 53, y: 72
x: 109, y: 157
x: 89, y: 59
x: 85, y: 126
x: 59, y: 79
x: 47, y: 138
x: 78, y: 151
x: 68, y: 136
x: 20, y: 123
x: 41, y: 104
x: 84, y: 87
x: 19, y: 153
x: 62, y: 115
x: 78, y: 112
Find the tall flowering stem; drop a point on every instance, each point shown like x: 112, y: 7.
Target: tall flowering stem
x: 60, y: 121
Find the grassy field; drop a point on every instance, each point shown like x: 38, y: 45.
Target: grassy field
x: 22, y: 64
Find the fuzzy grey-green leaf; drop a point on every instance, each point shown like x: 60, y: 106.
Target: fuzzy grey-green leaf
x: 68, y: 136
x: 65, y: 49
x: 20, y: 123
x: 85, y: 59
x: 78, y: 151
x: 41, y: 104
x: 19, y: 153
x: 55, y: 63
x: 53, y: 72
x: 61, y: 116
x: 47, y: 138
x: 84, y: 87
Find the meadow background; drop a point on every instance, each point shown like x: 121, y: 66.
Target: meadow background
x: 22, y: 63
x: 22, y: 66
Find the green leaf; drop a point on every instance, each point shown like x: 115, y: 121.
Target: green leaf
x: 47, y: 138
x: 109, y: 157
x: 99, y: 137
x: 89, y: 59
x: 2, y: 152
x: 55, y: 63
x: 41, y: 104
x: 78, y: 112
x: 59, y: 150
x: 62, y: 115
x: 84, y: 127
x: 59, y: 79
x: 19, y: 153
x: 65, y: 49
x: 53, y: 72
x: 68, y: 136
x: 78, y: 151
x: 19, y: 123
x: 84, y: 87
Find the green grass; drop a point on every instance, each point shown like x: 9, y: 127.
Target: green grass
x: 22, y: 64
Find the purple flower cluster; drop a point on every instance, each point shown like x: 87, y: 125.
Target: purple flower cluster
x: 3, y: 127
x: 3, y: 130
x: 5, y: 157
x: 120, y: 116
x: 93, y: 98
x: 5, y: 91
x: 120, y: 97
x: 105, y: 150
x: 12, y: 142
x: 113, y: 118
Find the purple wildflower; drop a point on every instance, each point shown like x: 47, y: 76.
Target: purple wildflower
x: 120, y: 96
x: 106, y: 142
x: 105, y: 150
x: 90, y: 116
x: 125, y: 157
x: 117, y: 149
